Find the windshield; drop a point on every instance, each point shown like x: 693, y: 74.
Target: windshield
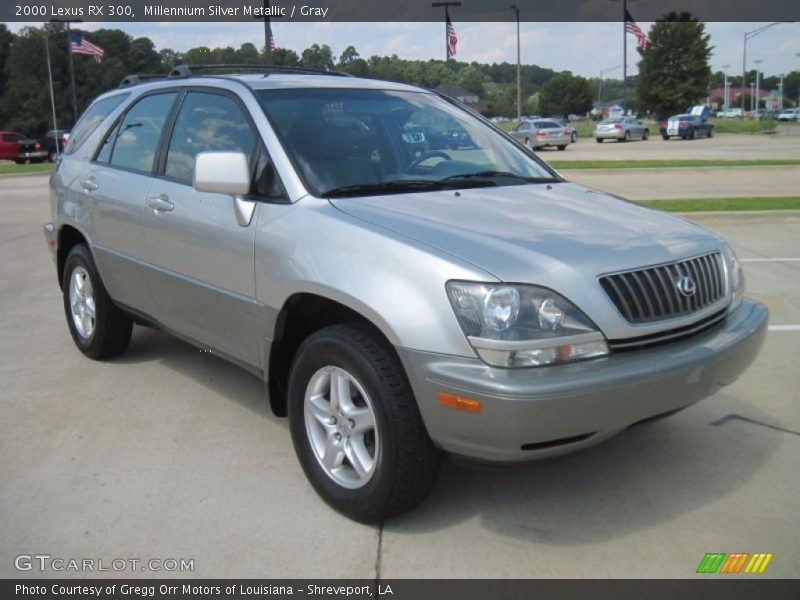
x: 364, y: 141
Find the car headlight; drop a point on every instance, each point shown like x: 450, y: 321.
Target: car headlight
x: 735, y: 276
x: 523, y: 325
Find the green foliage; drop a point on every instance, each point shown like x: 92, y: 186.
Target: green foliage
x: 566, y: 94
x: 674, y: 72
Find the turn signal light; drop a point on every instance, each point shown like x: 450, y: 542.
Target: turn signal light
x: 458, y: 402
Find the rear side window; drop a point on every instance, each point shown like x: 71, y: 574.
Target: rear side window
x: 206, y: 122
x: 133, y: 142
x: 90, y: 119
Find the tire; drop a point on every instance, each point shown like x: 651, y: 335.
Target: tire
x: 599, y: 140
x: 665, y: 138
x: 51, y: 156
x: 645, y: 135
x: 20, y: 161
x: 627, y: 137
x: 711, y: 132
x: 528, y: 144
x: 562, y: 147
x: 99, y: 329
x: 574, y: 137
x: 400, y: 462
x: 693, y: 135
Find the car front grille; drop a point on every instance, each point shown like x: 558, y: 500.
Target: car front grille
x: 652, y: 294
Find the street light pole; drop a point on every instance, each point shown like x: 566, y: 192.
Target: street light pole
x: 752, y: 86
x: 515, y: 8
x: 783, y: 76
x: 600, y: 84
x: 749, y: 35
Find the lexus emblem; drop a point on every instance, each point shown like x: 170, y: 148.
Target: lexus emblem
x: 686, y: 286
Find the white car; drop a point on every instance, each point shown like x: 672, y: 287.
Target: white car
x: 790, y: 114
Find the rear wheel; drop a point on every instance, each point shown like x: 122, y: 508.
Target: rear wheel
x: 665, y: 138
x: 646, y: 134
x: 98, y: 328
x: 562, y: 147
x: 528, y: 144
x: 599, y: 140
x: 356, y: 427
x: 711, y: 132
x: 693, y: 135
x: 574, y: 137
x: 20, y: 161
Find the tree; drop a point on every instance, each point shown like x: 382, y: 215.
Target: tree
x: 566, y: 94
x: 318, y: 57
x: 286, y: 58
x: 674, y: 71
x: 6, y: 38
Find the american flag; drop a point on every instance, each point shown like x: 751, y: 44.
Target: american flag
x: 632, y: 27
x: 80, y: 45
x: 452, y: 39
x: 272, y: 47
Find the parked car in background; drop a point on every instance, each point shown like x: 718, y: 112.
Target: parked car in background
x: 19, y: 148
x: 790, y: 114
x: 51, y: 139
x: 569, y: 130
x: 622, y: 129
x: 686, y: 127
x: 542, y: 133
x: 729, y: 114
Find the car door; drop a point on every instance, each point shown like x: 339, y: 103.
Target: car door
x: 113, y: 187
x: 202, y: 279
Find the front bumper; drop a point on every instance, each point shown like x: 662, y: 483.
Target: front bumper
x: 531, y: 413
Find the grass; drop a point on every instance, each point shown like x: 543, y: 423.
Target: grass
x: 670, y: 163
x: 736, y: 125
x: 727, y: 204
x: 11, y: 168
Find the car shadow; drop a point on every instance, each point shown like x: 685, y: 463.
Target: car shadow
x: 648, y: 475
x: 215, y: 373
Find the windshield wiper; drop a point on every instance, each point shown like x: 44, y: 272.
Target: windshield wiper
x: 399, y: 186
x: 491, y: 175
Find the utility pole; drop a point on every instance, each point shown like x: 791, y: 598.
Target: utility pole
x: 515, y: 8
x: 782, y: 78
x: 725, y: 88
x: 624, y: 55
x: 758, y: 83
x: 71, y: 65
x: 447, y: 6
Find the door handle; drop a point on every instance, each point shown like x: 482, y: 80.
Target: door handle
x: 160, y: 202
x: 89, y: 184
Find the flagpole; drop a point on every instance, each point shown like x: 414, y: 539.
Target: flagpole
x: 446, y: 20
x: 52, y: 95
x: 624, y: 55
x: 267, y: 34
x: 72, y: 77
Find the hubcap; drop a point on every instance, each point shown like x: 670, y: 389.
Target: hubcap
x: 341, y: 427
x: 81, y: 302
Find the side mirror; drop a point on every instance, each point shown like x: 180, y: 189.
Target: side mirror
x: 222, y: 173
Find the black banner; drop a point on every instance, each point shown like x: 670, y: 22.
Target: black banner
x: 393, y: 10
x: 711, y: 588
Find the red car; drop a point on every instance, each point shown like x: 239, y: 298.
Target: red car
x: 20, y: 148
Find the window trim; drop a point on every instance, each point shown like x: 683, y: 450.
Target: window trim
x: 170, y: 116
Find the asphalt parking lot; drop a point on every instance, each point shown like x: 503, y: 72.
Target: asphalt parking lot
x: 168, y: 452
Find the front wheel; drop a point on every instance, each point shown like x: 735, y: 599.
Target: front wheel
x: 356, y: 427
x: 665, y: 138
x: 711, y: 132
x: 528, y: 144
x: 574, y: 137
x: 562, y: 147
x: 599, y: 140
x: 98, y: 328
x: 646, y: 134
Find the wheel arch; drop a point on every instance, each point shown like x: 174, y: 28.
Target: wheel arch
x: 68, y: 238
x: 301, y: 315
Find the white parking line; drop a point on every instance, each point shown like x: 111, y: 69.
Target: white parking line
x: 784, y: 327
x: 769, y: 259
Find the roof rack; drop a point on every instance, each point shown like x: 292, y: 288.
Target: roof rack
x: 183, y: 71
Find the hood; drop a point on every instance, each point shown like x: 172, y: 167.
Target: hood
x: 535, y: 233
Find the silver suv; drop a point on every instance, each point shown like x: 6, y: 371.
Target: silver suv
x: 406, y: 278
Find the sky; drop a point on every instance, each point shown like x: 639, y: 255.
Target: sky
x: 583, y: 48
